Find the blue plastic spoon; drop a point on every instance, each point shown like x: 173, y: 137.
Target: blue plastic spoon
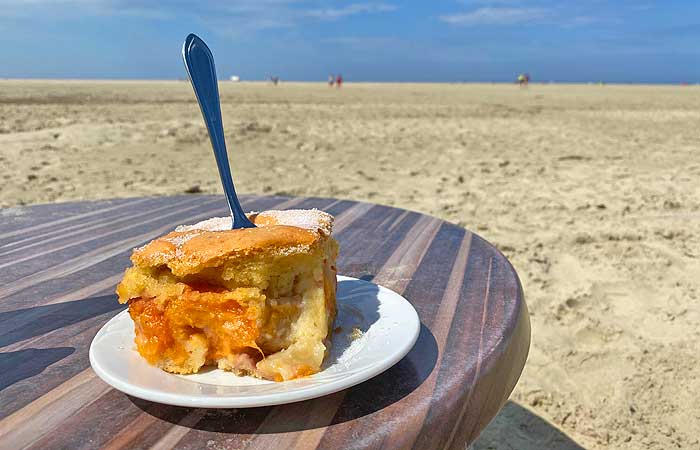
x: 199, y: 63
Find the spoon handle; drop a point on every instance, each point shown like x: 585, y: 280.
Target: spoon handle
x: 199, y: 63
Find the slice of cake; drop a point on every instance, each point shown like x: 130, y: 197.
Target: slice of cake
x: 255, y: 301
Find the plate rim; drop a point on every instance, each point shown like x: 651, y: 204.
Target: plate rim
x: 263, y: 399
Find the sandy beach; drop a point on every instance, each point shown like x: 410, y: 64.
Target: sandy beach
x: 591, y: 191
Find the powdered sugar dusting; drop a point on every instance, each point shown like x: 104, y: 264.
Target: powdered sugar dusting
x: 213, y: 224
x: 310, y: 219
x: 180, y: 240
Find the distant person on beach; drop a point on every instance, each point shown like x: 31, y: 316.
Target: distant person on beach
x: 523, y: 79
x: 331, y: 80
x: 275, y: 80
x: 339, y: 80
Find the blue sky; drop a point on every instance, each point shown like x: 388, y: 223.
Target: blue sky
x: 456, y: 40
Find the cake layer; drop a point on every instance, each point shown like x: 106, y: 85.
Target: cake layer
x: 255, y: 301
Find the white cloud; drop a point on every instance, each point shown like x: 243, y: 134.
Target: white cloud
x: 243, y: 14
x: 350, y: 10
x: 498, y: 16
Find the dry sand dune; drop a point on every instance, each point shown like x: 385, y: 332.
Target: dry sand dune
x: 592, y: 191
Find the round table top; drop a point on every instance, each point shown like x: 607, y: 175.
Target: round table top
x: 60, y: 263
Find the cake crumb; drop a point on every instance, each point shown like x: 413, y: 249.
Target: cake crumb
x: 355, y: 334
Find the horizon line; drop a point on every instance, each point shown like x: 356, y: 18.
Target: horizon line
x: 362, y: 81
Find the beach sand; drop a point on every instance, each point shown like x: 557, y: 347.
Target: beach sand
x: 591, y: 191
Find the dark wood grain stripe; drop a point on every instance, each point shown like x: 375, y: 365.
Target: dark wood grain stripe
x: 443, y: 264
x: 480, y: 356
x: 82, y: 228
x: 131, y: 432
x: 217, y: 425
x: 461, y: 373
x: 314, y: 415
x: 399, y: 269
x: 454, y: 374
x: 324, y: 204
x: 338, y: 207
x: 173, y: 436
x: 396, y: 221
x: 141, y: 424
x: 110, y: 410
x: 138, y: 223
x: 137, y: 213
x: 503, y: 335
x: 106, y: 285
x: 389, y: 389
x: 127, y: 210
x: 22, y: 217
x: 89, y: 258
x: 52, y: 224
x: 34, y: 420
x: 350, y: 215
x: 441, y: 328
x: 52, y: 288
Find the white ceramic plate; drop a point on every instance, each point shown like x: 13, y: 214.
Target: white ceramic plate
x: 389, y: 324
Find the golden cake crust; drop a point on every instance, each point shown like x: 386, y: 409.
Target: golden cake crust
x: 256, y: 301
x: 191, y: 248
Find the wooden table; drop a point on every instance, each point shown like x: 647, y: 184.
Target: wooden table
x: 59, y: 265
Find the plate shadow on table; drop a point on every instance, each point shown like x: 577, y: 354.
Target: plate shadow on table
x: 366, y: 398
x: 22, y: 364
x: 26, y: 323
x: 14, y: 325
x: 517, y: 428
